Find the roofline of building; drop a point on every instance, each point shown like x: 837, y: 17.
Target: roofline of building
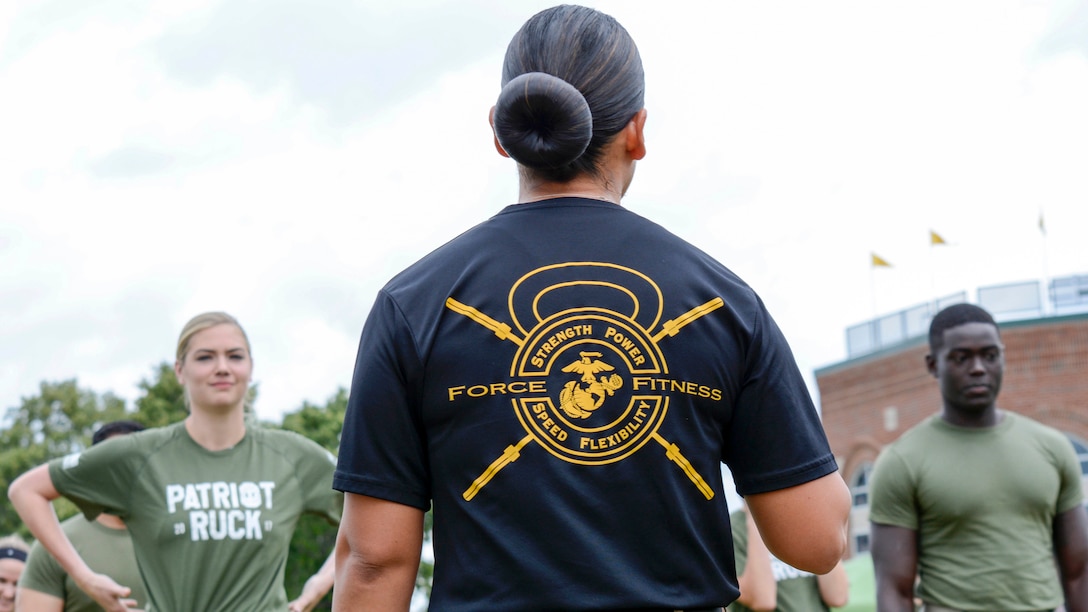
x: 899, y: 347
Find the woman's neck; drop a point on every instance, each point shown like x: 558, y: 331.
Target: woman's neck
x: 215, y: 430
x: 606, y: 188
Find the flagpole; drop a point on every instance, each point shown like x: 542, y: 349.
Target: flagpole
x: 872, y: 288
x: 932, y: 279
x: 875, y: 261
x: 1047, y: 306
x: 934, y: 240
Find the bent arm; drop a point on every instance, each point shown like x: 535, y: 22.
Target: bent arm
x: 834, y: 586
x: 1071, y: 550
x: 377, y: 554
x: 805, y: 525
x: 895, y: 561
x: 30, y: 495
x: 758, y: 589
x: 29, y: 600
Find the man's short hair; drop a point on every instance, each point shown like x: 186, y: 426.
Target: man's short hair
x: 115, y: 428
x: 954, y: 316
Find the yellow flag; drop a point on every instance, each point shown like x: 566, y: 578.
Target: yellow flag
x: 879, y: 262
x: 1042, y: 226
x: 935, y: 238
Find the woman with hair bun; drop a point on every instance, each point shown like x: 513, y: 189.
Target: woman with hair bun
x: 211, y: 502
x: 561, y: 382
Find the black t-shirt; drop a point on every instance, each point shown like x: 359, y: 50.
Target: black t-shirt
x: 562, y: 382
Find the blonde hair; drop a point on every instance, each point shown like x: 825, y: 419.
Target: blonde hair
x: 14, y: 541
x: 201, y: 322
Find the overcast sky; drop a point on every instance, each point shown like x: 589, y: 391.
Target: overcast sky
x: 281, y: 159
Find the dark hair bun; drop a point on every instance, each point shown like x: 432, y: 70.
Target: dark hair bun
x: 542, y: 121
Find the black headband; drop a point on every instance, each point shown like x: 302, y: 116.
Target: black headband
x: 13, y: 553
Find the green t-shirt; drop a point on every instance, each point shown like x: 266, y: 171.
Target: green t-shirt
x: 210, y: 529
x: 983, y: 502
x: 797, y: 590
x: 107, y: 551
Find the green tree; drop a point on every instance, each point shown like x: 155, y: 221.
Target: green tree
x: 59, y: 420
x: 163, y: 399
x: 314, y: 538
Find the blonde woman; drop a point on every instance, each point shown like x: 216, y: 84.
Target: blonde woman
x: 211, y: 503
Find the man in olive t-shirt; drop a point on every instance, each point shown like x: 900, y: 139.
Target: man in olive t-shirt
x: 981, y: 504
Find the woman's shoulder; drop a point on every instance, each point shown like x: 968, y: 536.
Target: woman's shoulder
x: 289, y: 442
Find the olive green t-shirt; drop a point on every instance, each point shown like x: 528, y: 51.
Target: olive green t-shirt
x: 210, y: 530
x: 797, y: 590
x: 106, y: 550
x: 983, y: 502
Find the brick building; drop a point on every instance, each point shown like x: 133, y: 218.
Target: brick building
x: 869, y: 400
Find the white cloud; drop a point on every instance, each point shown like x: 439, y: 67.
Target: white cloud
x: 285, y: 177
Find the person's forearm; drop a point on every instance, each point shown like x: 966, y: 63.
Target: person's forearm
x: 834, y: 586
x: 1076, y: 594
x: 758, y: 589
x: 316, y: 586
x: 891, y: 600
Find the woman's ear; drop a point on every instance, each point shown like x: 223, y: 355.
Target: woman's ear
x: 491, y: 122
x: 636, y: 135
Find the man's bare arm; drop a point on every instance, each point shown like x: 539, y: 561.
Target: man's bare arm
x: 805, y: 525
x: 1071, y: 550
x: 895, y: 561
x: 377, y: 555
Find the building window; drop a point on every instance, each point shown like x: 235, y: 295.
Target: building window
x: 861, y: 544
x: 859, y: 513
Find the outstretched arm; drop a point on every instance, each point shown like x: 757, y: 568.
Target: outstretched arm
x: 377, y: 555
x: 895, y: 561
x: 1071, y: 550
x: 30, y: 495
x: 805, y: 525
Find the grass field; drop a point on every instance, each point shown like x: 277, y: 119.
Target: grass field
x: 862, y: 585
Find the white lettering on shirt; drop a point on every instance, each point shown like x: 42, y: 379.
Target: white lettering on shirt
x: 221, y: 510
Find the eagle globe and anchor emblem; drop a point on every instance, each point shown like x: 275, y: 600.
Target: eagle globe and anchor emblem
x: 602, y: 359
x: 579, y: 399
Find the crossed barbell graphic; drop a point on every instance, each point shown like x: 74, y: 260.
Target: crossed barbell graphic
x: 511, y: 453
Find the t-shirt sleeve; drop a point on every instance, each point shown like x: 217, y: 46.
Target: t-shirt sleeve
x: 1071, y: 493
x: 318, y: 467
x: 774, y: 439
x: 891, y: 492
x: 98, y: 479
x: 42, y: 573
x: 382, y: 451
